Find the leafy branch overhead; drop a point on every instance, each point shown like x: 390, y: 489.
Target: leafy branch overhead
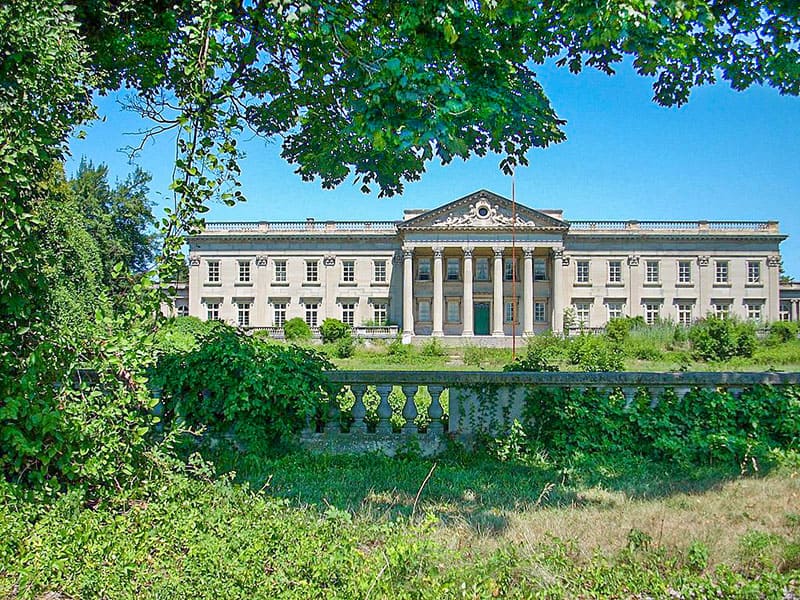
x: 377, y: 88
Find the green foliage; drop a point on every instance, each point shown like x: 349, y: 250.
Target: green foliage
x: 296, y: 330
x: 333, y: 330
x: 782, y: 331
x: 398, y: 351
x: 532, y: 361
x: 433, y: 347
x: 229, y: 380
x: 594, y: 353
x: 718, y: 339
x: 617, y: 329
x: 481, y: 356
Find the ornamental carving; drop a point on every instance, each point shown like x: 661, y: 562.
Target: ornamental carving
x: 467, y: 252
x: 527, y: 252
x: 773, y: 261
x: 703, y: 261
x: 329, y: 260
x: 438, y: 251
x: 498, y: 251
x: 194, y: 261
x: 483, y: 214
x: 633, y: 261
x: 408, y: 253
x: 261, y: 260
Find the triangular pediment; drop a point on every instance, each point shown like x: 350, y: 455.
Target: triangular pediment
x: 484, y: 210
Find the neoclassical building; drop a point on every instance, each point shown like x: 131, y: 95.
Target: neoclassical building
x: 481, y: 266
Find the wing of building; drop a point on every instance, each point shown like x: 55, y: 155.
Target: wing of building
x: 483, y: 266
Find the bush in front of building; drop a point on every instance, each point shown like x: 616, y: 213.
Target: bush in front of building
x: 333, y: 330
x: 718, y: 339
x: 594, y: 353
x: 781, y: 332
x: 296, y: 330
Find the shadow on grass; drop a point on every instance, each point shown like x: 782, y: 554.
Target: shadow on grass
x: 477, y: 490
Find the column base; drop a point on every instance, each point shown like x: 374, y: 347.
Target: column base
x: 437, y: 334
x: 468, y: 334
x: 498, y: 334
x: 407, y: 337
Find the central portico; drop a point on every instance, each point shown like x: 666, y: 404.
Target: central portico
x: 473, y: 265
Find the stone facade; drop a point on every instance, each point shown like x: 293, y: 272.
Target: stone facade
x: 481, y: 266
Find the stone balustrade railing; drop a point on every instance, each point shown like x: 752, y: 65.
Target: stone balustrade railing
x: 469, y: 409
x: 359, y: 331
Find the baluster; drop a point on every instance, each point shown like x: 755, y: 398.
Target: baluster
x: 359, y: 410
x: 735, y: 391
x: 681, y: 391
x: 410, y: 409
x: 630, y: 396
x: 656, y: 392
x: 384, y: 409
x: 435, y: 410
x: 333, y: 425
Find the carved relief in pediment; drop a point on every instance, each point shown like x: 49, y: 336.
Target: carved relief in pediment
x: 482, y: 214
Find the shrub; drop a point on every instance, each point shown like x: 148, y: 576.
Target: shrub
x: 552, y: 347
x: 782, y: 331
x: 399, y: 351
x: 594, y: 353
x: 433, y: 348
x: 345, y: 346
x: 532, y: 361
x: 718, y: 339
x: 333, y: 330
x: 617, y: 329
x: 296, y: 330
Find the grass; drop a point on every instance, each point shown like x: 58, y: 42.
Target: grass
x: 366, y: 527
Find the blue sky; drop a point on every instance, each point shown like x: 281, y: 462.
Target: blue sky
x: 724, y: 156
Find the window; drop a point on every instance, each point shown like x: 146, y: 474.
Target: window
x: 539, y: 312
x: 652, y: 274
x: 582, y: 312
x: 279, y: 314
x: 753, y: 271
x: 453, y: 269
x: 379, y: 271
x: 614, y: 310
x: 721, y: 272
x: 312, y: 271
x: 424, y: 311
x: 348, y: 271
x: 243, y: 314
x: 652, y: 312
x: 280, y: 271
x: 615, y: 271
x: 753, y: 311
x: 684, y: 271
x: 349, y: 313
x: 509, y: 269
x: 244, y: 271
x: 482, y: 269
x: 685, y: 310
x: 312, y: 314
x: 380, y: 314
x: 424, y: 269
x: 539, y: 269
x: 212, y: 311
x: 721, y: 309
x: 784, y: 314
x: 453, y: 311
x: 183, y: 310
x: 213, y: 271
x: 510, y: 309
x: 582, y: 271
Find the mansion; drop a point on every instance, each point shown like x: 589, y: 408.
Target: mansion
x: 481, y: 266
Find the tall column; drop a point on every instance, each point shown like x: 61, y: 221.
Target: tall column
x: 195, y: 283
x: 557, y: 322
x: 497, y: 304
x: 408, y: 294
x: 438, y: 292
x: 773, y: 289
x: 796, y: 310
x: 469, y: 319
x: 527, y: 292
x: 634, y: 287
x: 261, y: 286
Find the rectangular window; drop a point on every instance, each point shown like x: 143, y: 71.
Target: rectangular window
x: 424, y: 311
x: 614, y: 310
x: 539, y: 269
x: 482, y: 269
x: 349, y: 313
x: 312, y: 314
x: 684, y: 271
x: 784, y: 314
x: 615, y: 271
x: 509, y: 269
x: 380, y: 313
x: 213, y: 271
x: 582, y: 271
x: 379, y: 271
x: 312, y: 271
x: 722, y: 309
x: 244, y: 271
x: 652, y: 274
x: 582, y: 312
x: 453, y: 269
x: 652, y: 312
x: 753, y: 271
x: 243, y: 314
x: 280, y: 271
x: 279, y: 314
x: 348, y: 271
x: 424, y: 269
x: 453, y: 311
x: 183, y: 310
x: 721, y: 272
x: 539, y: 312
x: 685, y: 313
x: 510, y: 309
x: 753, y: 311
x: 212, y: 311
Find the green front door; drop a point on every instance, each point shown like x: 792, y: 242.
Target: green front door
x: 481, y: 318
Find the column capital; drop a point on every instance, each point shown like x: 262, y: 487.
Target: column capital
x: 438, y: 251
x: 408, y: 252
x: 703, y: 261
x: 194, y: 260
x: 261, y: 260
x: 498, y: 251
x: 774, y: 261
x: 633, y: 260
x: 467, y: 251
x: 329, y: 260
x: 527, y: 251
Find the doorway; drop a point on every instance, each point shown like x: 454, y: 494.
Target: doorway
x: 481, y: 324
